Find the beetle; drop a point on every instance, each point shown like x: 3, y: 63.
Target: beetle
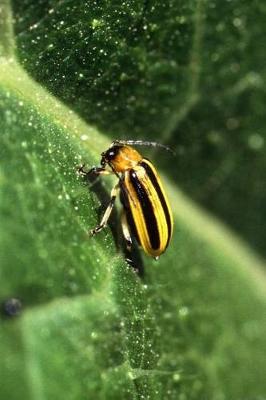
x: 146, y: 213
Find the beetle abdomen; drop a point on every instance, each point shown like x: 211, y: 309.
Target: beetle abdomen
x: 148, y: 208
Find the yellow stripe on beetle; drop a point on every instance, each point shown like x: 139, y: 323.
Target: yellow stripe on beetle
x: 147, y: 212
x: 148, y: 208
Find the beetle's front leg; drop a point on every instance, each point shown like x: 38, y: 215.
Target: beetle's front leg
x: 107, y: 212
x: 93, y: 171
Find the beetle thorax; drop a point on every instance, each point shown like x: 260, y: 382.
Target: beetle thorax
x: 123, y: 158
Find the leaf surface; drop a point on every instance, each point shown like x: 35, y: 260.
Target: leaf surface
x: 192, y: 327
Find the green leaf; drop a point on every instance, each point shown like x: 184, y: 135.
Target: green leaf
x: 190, y: 73
x: 193, y: 327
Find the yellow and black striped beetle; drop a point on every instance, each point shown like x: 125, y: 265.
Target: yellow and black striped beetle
x: 146, y: 211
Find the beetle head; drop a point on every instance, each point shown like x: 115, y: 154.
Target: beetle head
x: 109, y: 155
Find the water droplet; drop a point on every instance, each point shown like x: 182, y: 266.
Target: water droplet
x: 84, y: 137
x: 176, y: 377
x: 130, y: 375
x: 96, y: 23
x: 237, y: 22
x: 256, y: 141
x: 232, y: 123
x: 183, y: 311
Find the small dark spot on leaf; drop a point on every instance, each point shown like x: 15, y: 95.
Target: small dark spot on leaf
x: 11, y: 307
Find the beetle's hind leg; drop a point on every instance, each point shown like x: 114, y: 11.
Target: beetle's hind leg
x: 107, y: 212
x: 132, y: 257
x: 128, y: 240
x: 125, y: 231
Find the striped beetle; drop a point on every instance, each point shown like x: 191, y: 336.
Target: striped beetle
x: 146, y: 211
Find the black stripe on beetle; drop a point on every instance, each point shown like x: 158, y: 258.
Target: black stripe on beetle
x: 154, y: 181
x: 147, y: 209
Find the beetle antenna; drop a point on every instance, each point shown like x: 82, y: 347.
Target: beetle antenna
x: 142, y: 143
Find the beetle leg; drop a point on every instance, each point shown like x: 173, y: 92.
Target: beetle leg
x: 99, y: 171
x: 126, y: 232
x: 81, y: 171
x: 107, y: 212
x: 93, y: 170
